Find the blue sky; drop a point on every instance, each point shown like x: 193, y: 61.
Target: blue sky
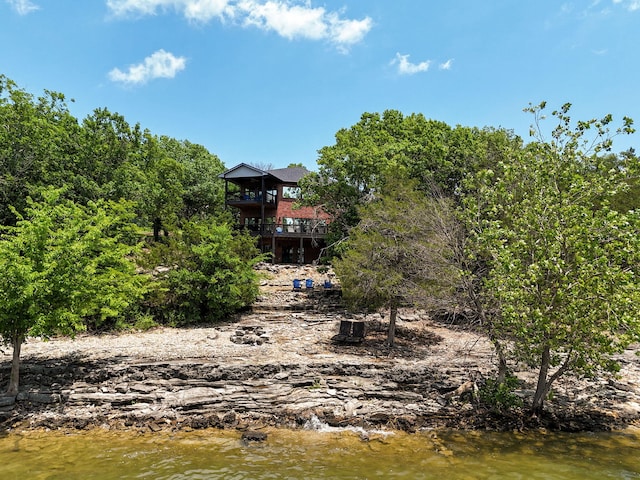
x: 272, y: 81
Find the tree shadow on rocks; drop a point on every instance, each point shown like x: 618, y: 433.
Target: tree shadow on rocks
x: 409, y: 343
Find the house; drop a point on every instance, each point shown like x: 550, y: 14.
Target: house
x: 265, y: 202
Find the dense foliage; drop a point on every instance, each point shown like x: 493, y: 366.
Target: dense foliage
x: 390, y: 146
x: 544, y: 249
x: 212, y: 274
x: 563, y: 263
x: 71, y: 260
x: 397, y: 255
x: 61, y: 264
x: 102, y: 157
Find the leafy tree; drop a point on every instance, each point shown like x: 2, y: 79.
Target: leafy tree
x: 42, y: 145
x: 563, y: 264
x: 170, y: 180
x: 212, y: 273
x: 163, y: 194
x: 37, y: 144
x: 354, y: 167
x: 179, y: 182
x: 399, y: 253
x: 108, y: 146
x: 203, y: 191
x: 60, y: 264
x: 629, y: 198
x: 382, y: 147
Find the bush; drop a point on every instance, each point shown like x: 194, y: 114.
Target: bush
x: 500, y: 395
x: 209, y: 274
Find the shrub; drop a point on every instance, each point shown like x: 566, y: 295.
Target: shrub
x: 210, y: 274
x: 500, y: 395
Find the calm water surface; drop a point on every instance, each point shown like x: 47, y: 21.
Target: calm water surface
x: 214, y: 454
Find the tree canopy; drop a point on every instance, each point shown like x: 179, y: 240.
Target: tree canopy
x: 69, y: 260
x: 399, y: 254
x: 383, y: 147
x: 563, y: 264
x: 212, y: 274
x: 62, y: 263
x: 101, y: 157
x: 544, y: 250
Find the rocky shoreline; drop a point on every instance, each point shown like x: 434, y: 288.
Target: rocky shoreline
x: 277, y: 366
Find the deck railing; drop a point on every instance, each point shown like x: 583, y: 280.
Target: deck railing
x: 251, y: 197
x: 285, y: 230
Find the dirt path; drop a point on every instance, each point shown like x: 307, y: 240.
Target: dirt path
x: 285, y: 371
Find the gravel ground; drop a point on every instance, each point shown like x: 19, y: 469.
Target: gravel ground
x: 299, y: 327
x: 296, y: 337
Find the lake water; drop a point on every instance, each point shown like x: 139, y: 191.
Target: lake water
x: 328, y: 454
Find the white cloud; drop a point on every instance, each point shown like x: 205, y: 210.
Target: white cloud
x: 631, y: 5
x: 405, y: 67
x: 195, y: 10
x: 348, y: 32
x: 23, y: 7
x: 303, y: 21
x: 205, y: 10
x: 290, y: 19
x: 446, y: 65
x: 160, y: 64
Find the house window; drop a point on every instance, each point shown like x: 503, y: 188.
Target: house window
x: 288, y: 224
x: 296, y: 225
x: 252, y: 223
x: 291, y: 192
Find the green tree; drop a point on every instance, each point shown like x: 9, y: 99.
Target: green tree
x: 108, y: 147
x: 399, y: 253
x: 563, y: 264
x: 203, y: 190
x: 103, y: 157
x: 212, y: 274
x: 179, y: 181
x: 382, y: 147
x: 163, y: 194
x: 38, y: 141
x: 60, y: 264
x: 629, y: 198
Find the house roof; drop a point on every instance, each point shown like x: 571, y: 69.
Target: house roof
x: 243, y: 171
x: 284, y: 175
x: 289, y: 175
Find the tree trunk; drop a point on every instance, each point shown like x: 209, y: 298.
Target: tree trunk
x: 503, y: 369
x: 391, y: 337
x: 157, y: 226
x: 543, y: 386
x: 14, y: 380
